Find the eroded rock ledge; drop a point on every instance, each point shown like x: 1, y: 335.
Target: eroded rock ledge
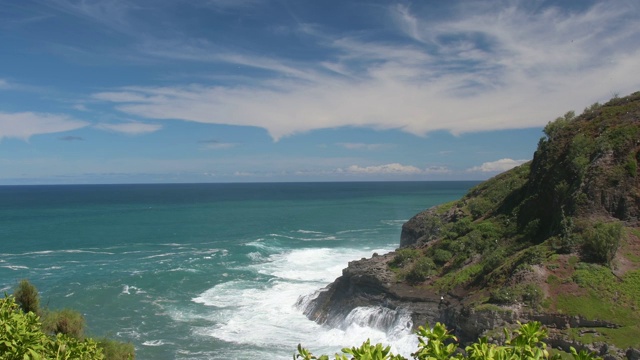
x: 370, y: 283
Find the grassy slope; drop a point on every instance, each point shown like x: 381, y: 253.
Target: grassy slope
x: 557, y: 234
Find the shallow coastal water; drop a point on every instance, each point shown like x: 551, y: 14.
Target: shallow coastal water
x: 206, y: 271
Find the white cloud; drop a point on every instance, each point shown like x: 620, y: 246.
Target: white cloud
x: 394, y: 168
x: 363, y: 146
x: 508, y: 68
x: 218, y: 145
x: 26, y: 124
x: 131, y: 128
x: 4, y: 84
x: 497, y: 166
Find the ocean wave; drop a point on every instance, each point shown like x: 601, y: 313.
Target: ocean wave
x: 185, y: 270
x: 356, y: 231
x: 50, y: 252
x: 126, y: 289
x: 303, y: 238
x: 255, y: 256
x: 301, y: 231
x: 15, y: 267
x: 159, y: 255
x: 153, y: 343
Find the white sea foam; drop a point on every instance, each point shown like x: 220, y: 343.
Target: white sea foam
x: 126, y: 289
x: 153, y: 343
x: 259, y: 313
x: 308, y: 231
x: 158, y: 256
x: 393, y: 222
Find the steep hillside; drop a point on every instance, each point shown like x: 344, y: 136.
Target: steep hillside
x: 555, y: 240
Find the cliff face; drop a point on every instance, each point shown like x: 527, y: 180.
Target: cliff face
x: 554, y: 240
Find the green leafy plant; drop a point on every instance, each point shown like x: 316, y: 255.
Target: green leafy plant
x: 21, y: 337
x: 437, y: 343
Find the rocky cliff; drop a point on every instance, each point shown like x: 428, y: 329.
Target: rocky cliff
x: 554, y: 240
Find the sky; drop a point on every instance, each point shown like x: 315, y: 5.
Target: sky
x: 172, y: 91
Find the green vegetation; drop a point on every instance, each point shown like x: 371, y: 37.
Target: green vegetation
x: 559, y: 234
x: 66, y: 321
x: 438, y: 343
x: 21, y: 337
x: 27, y: 297
x: 29, y: 332
x: 601, y: 242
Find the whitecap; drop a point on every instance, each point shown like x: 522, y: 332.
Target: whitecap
x: 355, y: 231
x: 159, y: 255
x: 15, y: 267
x: 308, y: 231
x: 126, y: 289
x: 393, y: 222
x: 153, y: 343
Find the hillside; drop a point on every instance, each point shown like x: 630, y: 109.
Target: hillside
x: 556, y: 240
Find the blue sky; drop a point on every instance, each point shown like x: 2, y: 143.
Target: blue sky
x: 126, y: 91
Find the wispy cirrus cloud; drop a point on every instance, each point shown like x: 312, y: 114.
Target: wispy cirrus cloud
x: 24, y: 125
x: 130, y: 128
x: 485, y: 67
x: 497, y: 166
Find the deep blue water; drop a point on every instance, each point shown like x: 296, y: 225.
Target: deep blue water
x: 204, y: 271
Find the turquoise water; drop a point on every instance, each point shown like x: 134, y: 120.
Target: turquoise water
x: 204, y: 271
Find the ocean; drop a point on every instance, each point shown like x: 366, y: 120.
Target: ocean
x: 207, y: 271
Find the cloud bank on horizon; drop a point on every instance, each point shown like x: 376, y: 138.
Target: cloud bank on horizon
x: 363, y: 76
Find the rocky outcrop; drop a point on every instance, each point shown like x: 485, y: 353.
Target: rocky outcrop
x: 425, y: 226
x: 369, y: 283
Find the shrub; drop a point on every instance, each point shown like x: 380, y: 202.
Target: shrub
x: 531, y: 295
x: 631, y: 165
x: 601, y: 242
x: 460, y: 227
x: 420, y: 270
x: 479, y: 206
x: 66, y: 321
x: 441, y: 256
x: 502, y: 296
x: 115, y: 350
x: 404, y: 256
x: 27, y: 297
x: 493, y: 260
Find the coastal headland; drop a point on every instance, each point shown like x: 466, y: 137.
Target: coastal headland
x: 555, y: 240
